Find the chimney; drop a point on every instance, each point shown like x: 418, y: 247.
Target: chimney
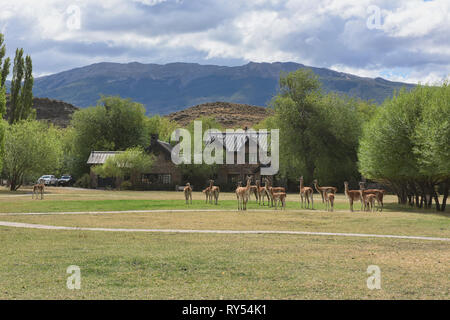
x: 153, y: 138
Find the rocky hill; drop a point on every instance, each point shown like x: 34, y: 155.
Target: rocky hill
x: 168, y: 88
x: 229, y: 115
x: 55, y: 111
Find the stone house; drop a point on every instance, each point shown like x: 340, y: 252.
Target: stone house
x: 165, y: 175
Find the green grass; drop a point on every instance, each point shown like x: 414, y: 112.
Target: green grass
x: 57, y: 205
x: 118, y: 265
x: 174, y: 266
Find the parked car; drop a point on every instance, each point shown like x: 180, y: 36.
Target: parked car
x: 65, y: 180
x: 49, y: 180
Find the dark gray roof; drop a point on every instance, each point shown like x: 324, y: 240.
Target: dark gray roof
x: 235, y: 141
x: 99, y: 157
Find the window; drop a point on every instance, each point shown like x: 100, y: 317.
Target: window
x: 165, y: 178
x: 233, y: 178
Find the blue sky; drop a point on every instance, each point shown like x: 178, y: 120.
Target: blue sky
x: 404, y: 40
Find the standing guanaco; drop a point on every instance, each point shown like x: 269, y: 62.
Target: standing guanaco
x: 275, y: 190
x: 321, y: 190
x: 278, y: 197
x: 353, y: 195
x: 207, y: 193
x: 242, y: 194
x: 329, y: 200
x: 38, y: 188
x: 306, y: 192
x: 379, y: 193
x: 188, y: 193
x: 214, y: 191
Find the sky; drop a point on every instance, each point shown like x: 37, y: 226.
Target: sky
x: 404, y: 40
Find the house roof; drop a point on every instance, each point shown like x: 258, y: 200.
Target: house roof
x: 99, y: 157
x: 165, y: 146
x: 234, y: 142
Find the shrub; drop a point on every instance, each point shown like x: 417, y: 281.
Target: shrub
x: 84, y: 181
x: 126, y: 185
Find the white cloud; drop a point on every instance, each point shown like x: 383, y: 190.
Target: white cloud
x: 326, y: 33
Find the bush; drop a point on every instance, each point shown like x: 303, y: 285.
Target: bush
x: 84, y: 181
x: 126, y: 185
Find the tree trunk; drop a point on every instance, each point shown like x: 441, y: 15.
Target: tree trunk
x: 445, y: 194
x: 436, y: 200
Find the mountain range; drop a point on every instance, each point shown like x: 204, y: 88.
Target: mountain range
x: 175, y: 86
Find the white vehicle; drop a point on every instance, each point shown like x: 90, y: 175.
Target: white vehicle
x: 49, y: 180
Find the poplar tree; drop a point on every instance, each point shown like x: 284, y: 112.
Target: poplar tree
x: 21, y: 94
x: 3, y: 74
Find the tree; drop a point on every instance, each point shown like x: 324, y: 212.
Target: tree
x: 318, y: 133
x: 115, y: 124
x: 21, y: 94
x: 161, y: 126
x: 131, y: 163
x: 4, y: 71
x: 198, y: 174
x: 406, y: 145
x: 31, y: 149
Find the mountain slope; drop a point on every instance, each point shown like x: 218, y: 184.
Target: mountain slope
x: 229, y: 115
x: 168, y: 88
x: 54, y: 111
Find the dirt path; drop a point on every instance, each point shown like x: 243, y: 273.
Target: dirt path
x: 48, y: 227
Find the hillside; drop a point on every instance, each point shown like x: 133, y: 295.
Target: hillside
x: 169, y: 88
x: 57, y: 112
x: 229, y: 115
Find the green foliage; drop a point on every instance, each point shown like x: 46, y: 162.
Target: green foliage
x: 198, y: 174
x: 126, y: 185
x: 84, y: 181
x: 4, y: 71
x: 432, y: 135
x: 131, y: 163
x: 21, y: 95
x: 407, y: 143
x: 161, y: 126
x: 31, y: 149
x: 115, y: 124
x: 318, y: 133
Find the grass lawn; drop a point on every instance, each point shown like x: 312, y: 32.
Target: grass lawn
x: 215, y: 266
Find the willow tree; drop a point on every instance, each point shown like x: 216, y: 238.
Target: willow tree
x: 406, y: 145
x: 318, y: 132
x: 31, y: 149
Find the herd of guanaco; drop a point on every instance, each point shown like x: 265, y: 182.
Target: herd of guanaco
x: 277, y: 195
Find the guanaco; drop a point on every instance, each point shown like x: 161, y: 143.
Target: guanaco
x: 321, y: 190
x: 379, y: 193
x: 353, y: 195
x: 242, y: 194
x: 275, y: 190
x: 369, y: 201
x: 38, y: 188
x: 214, y: 191
x: 188, y: 193
x: 254, y: 190
x: 278, y: 197
x: 306, y: 192
x: 329, y: 200
x: 207, y: 193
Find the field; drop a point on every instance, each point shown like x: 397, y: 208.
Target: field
x: 173, y: 265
